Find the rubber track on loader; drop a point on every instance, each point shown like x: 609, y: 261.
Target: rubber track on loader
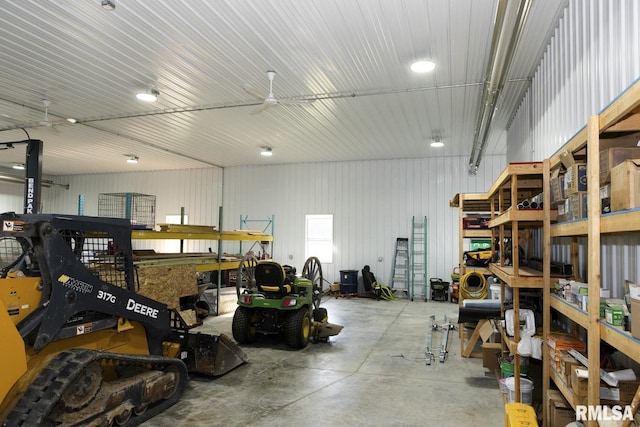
x: 45, y: 391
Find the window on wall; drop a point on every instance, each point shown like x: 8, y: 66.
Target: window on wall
x: 318, y: 237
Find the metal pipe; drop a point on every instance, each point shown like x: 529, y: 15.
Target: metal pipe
x: 511, y: 16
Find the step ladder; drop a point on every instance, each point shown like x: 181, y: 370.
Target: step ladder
x: 419, y: 257
x: 400, y: 274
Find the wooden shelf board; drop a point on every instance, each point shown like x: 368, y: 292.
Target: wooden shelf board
x: 565, y: 390
x: 577, y: 142
x: 471, y: 202
x: 529, y: 217
x: 570, y: 310
x: 514, y: 170
x: 571, y: 228
x: 225, y: 235
x: 525, y: 278
x: 511, y: 344
x: 620, y: 107
x: 481, y: 270
x: 615, y: 222
x: 621, y: 340
x: 619, y: 222
x: 481, y: 233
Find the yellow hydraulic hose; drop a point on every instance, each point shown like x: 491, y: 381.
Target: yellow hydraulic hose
x: 473, y: 285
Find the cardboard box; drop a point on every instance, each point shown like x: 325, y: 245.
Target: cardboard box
x: 557, y: 186
x: 490, y: 355
x: 560, y: 412
x: 577, y: 206
x: 614, y: 315
x: 562, y: 211
x: 605, y: 198
x: 627, y: 390
x: 567, y: 364
x: 565, y: 342
x: 635, y: 318
x: 575, y: 179
x: 634, y: 290
x: 612, y: 157
x: 580, y: 386
x: 625, y: 185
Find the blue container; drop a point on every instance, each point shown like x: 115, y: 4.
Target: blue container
x: 348, y: 289
x: 349, y: 277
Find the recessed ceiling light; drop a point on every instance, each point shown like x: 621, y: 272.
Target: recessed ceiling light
x: 437, y: 142
x: 18, y: 166
x: 150, y: 96
x: 132, y: 158
x: 422, y: 66
x: 266, y: 151
x: 72, y: 120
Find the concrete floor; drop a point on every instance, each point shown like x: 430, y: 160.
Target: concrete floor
x: 372, y: 374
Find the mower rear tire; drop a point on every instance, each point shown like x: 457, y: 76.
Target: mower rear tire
x: 297, y: 328
x: 243, y: 326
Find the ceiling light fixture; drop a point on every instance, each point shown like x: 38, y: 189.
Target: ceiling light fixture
x: 132, y: 158
x: 18, y: 166
x: 266, y: 151
x: 422, y: 66
x: 437, y: 142
x: 72, y: 120
x: 150, y: 96
x: 108, y: 5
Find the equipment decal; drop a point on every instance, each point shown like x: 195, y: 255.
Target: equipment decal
x: 13, y: 226
x: 106, y: 296
x: 145, y: 310
x: 84, y: 329
x: 75, y: 284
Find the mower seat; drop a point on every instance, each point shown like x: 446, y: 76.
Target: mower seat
x: 270, y: 278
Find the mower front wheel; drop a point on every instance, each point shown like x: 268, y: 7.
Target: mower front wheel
x: 244, y: 327
x: 297, y: 328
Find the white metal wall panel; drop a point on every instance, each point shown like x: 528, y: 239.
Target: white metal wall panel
x: 199, y: 191
x: 593, y: 56
x: 11, y: 197
x: 372, y: 203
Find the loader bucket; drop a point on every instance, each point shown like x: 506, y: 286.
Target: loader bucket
x: 212, y: 354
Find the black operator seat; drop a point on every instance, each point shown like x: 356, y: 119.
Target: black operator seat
x: 270, y: 278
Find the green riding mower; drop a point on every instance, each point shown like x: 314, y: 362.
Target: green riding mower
x: 277, y: 302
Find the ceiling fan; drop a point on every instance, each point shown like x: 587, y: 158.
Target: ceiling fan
x: 270, y: 100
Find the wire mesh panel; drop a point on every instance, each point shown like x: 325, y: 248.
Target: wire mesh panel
x: 10, y: 251
x: 140, y: 209
x: 101, y: 256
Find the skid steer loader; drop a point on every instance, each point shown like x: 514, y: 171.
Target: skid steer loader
x: 80, y: 345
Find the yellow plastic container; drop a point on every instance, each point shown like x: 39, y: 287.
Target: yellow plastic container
x: 519, y: 415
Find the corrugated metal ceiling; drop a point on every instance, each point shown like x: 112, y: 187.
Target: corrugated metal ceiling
x: 351, y: 56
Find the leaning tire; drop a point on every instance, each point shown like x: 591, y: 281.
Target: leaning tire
x: 244, y: 327
x: 297, y: 328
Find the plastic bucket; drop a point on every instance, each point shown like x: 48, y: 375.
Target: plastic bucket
x: 526, y: 390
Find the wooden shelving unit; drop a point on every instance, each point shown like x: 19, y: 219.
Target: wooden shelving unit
x: 622, y: 115
x: 517, y: 182
x: 202, y: 262
x: 470, y: 204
